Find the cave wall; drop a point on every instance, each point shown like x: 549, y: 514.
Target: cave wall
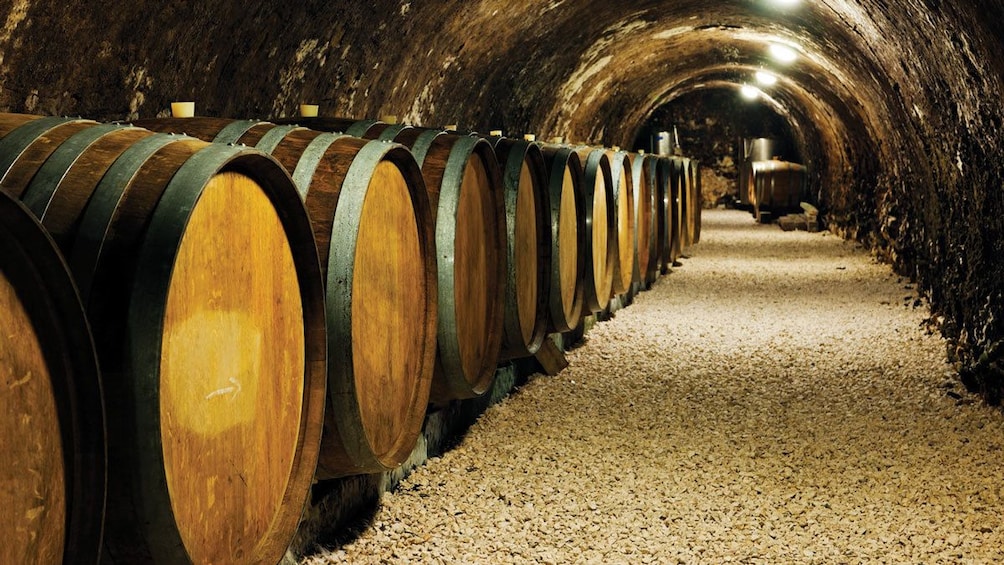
x: 896, y: 103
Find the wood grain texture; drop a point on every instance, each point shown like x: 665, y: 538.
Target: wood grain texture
x: 663, y: 210
x: 526, y: 253
x: 776, y: 185
x: 472, y: 268
x: 34, y: 155
x: 367, y: 129
x: 62, y: 201
x: 600, y: 225
x: 465, y: 193
x: 528, y: 246
x: 623, y: 192
x: 643, y: 170
x: 33, y: 480
x: 9, y: 122
x: 571, y: 251
x: 391, y: 334
x: 356, y: 186
x: 232, y: 359
x: 52, y: 477
x: 107, y: 202
x: 568, y: 231
x: 373, y: 230
x: 267, y: 363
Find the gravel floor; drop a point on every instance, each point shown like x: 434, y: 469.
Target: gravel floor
x: 775, y: 400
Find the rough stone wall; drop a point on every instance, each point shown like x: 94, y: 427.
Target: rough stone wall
x: 896, y: 102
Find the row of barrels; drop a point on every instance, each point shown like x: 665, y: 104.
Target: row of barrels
x: 269, y: 303
x: 769, y: 187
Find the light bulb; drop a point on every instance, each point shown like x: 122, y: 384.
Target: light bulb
x: 765, y: 78
x: 749, y: 92
x: 783, y: 53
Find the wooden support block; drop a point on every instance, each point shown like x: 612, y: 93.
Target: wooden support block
x: 788, y: 223
x: 552, y: 360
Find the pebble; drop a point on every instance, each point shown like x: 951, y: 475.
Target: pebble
x: 773, y: 400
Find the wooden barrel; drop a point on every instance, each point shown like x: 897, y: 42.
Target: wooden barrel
x: 528, y: 231
x: 624, y: 244
x: 464, y: 183
x: 778, y: 185
x: 366, y: 129
x: 374, y: 232
x: 698, y: 199
x: 199, y: 274
x: 51, y: 416
x: 678, y: 209
x: 569, y: 246
x: 668, y: 221
x: 643, y: 176
x: 348, y: 126
x: 601, y: 223
x: 686, y: 203
x: 756, y: 175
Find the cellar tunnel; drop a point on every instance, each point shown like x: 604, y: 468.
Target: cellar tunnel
x: 893, y: 105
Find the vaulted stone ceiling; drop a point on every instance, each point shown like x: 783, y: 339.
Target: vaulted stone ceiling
x: 897, y: 102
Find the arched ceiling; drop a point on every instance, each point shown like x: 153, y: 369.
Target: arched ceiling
x: 897, y: 101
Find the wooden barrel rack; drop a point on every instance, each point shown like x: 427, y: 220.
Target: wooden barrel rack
x: 278, y: 302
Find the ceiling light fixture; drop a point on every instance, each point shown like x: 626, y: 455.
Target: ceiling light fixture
x: 765, y: 78
x: 749, y: 92
x: 782, y: 53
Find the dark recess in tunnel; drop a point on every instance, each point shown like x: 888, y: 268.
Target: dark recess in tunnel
x: 893, y: 104
x: 710, y: 125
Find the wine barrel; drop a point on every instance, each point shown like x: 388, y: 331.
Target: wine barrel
x: 601, y: 223
x: 199, y: 274
x: 698, y: 199
x: 366, y: 129
x: 778, y: 185
x: 757, y: 149
x: 668, y: 220
x: 464, y: 183
x: 51, y: 414
x: 566, y: 295
x: 624, y: 243
x: 679, y: 209
x: 528, y: 231
x: 686, y: 203
x: 643, y: 177
x: 373, y: 229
